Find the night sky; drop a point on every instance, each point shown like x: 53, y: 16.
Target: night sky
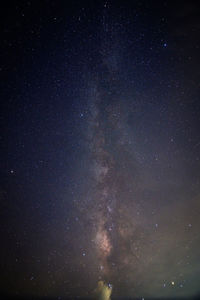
x: 100, y: 148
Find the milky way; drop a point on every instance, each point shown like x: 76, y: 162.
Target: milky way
x: 114, y: 171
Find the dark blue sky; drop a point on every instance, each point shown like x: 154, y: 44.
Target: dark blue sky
x: 100, y: 148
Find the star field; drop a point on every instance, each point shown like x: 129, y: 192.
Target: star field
x: 100, y: 149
